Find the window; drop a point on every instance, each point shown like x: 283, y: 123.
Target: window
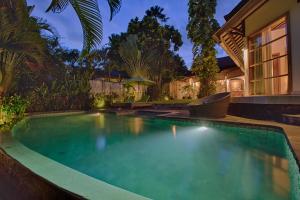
x: 236, y: 87
x: 268, y: 59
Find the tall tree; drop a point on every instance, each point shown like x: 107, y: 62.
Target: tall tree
x: 137, y: 61
x: 89, y: 15
x: 21, y: 43
x: 201, y: 27
x: 155, y: 37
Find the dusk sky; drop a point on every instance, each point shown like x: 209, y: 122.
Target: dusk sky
x: 69, y: 29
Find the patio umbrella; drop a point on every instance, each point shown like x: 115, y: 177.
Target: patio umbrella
x: 138, y: 81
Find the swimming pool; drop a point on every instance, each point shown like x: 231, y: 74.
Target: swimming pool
x: 167, y: 159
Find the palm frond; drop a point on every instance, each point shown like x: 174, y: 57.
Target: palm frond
x: 137, y: 62
x: 89, y: 15
x: 21, y: 34
x: 91, y: 21
x: 57, y: 6
x: 20, y: 41
x: 114, y: 6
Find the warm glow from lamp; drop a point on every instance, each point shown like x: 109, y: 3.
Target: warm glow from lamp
x: 100, y: 120
x: 174, y: 131
x: 236, y: 85
x: 137, y: 125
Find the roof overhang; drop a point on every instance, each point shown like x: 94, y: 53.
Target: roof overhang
x: 231, y: 35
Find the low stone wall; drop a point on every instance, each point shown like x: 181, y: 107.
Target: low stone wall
x: 177, y: 106
x: 18, y: 182
x: 281, y: 99
x: 263, y: 111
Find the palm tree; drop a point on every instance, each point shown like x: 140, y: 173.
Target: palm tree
x: 137, y: 62
x: 90, y: 18
x: 20, y: 41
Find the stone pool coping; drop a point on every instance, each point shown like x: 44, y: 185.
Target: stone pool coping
x: 91, y: 188
x: 59, y: 175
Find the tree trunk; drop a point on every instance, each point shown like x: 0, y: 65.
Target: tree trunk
x: 6, y: 81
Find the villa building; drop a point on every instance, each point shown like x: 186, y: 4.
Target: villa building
x: 263, y: 38
x: 229, y: 79
x: 108, y: 83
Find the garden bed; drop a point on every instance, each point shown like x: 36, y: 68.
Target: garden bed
x: 17, y: 180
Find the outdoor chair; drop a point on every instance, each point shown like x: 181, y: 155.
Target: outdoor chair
x: 214, y: 106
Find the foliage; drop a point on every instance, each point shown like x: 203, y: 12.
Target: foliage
x: 96, y: 59
x: 89, y: 15
x: 99, y: 101
x: 34, y: 65
x: 201, y: 27
x: 21, y: 44
x: 12, y: 109
x: 69, y: 93
x: 188, y: 90
x: 156, y: 45
x: 62, y: 86
x: 103, y: 100
x: 137, y: 61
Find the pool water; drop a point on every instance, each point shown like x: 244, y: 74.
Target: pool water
x: 166, y: 159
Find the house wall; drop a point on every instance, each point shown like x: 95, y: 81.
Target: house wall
x: 102, y: 86
x: 105, y: 87
x: 179, y: 89
x: 270, y: 11
x: 235, y: 85
x: 230, y: 82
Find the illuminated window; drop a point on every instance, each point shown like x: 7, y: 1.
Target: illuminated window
x: 268, y: 59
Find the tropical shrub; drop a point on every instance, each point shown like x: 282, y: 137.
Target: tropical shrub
x: 59, y: 96
x: 148, y: 49
x: 12, y: 109
x: 101, y: 100
x: 21, y: 42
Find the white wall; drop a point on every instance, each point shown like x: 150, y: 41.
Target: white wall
x: 295, y: 46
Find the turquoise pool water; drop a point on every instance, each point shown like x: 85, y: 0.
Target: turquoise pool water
x: 166, y: 159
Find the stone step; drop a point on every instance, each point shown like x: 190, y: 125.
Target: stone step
x: 293, y: 119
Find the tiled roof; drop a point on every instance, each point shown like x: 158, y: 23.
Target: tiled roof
x: 235, y: 9
x: 112, y: 74
x: 226, y: 63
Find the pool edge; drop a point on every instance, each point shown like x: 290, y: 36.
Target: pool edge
x: 280, y: 129
x: 76, y: 183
